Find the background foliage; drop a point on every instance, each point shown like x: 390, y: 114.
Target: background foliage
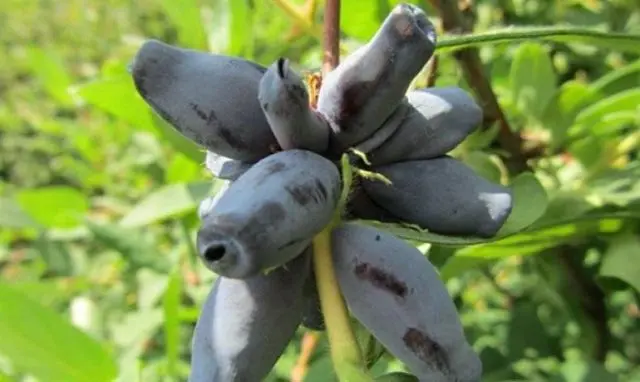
x: 98, y: 277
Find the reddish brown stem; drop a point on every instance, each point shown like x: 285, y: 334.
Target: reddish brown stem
x: 453, y: 22
x: 331, y: 36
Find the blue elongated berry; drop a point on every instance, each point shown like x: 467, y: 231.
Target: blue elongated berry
x: 269, y: 214
x: 434, y: 121
x: 395, y: 292
x: 442, y: 195
x: 211, y: 99
x: 285, y: 102
x: 363, y: 91
x: 245, y: 325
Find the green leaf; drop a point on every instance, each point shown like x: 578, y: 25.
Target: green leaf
x: 621, y: 260
x: 54, y: 206
x: 484, y: 164
x: 361, y: 19
x: 117, y: 96
x: 169, y: 201
x: 625, y: 42
x: 618, y: 80
x: 530, y: 202
x: 171, y: 305
x: 136, y: 249
x: 241, y: 29
x: 535, y: 239
x: 13, y: 216
x: 561, y: 111
x: 39, y: 341
x: 628, y: 100
x: 185, y: 15
x: 48, y: 66
x: 532, y: 78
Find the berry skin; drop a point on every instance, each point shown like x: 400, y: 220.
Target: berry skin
x: 210, y: 99
x: 442, y: 195
x: 365, y: 89
x: 434, y: 122
x: 269, y: 214
x: 395, y: 292
x: 285, y: 102
x: 245, y: 325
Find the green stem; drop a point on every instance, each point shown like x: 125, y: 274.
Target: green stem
x: 345, y: 354
x: 610, y: 40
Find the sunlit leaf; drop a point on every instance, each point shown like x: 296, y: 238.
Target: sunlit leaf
x: 171, y: 305
x: 618, y: 80
x: 54, y: 206
x: 362, y: 18
x: 41, y: 342
x: 532, y: 78
x: 169, y: 201
x: 185, y: 15
x: 535, y: 239
x: 628, y: 100
x: 117, y: 96
x: 13, y: 216
x: 50, y: 70
x: 241, y: 29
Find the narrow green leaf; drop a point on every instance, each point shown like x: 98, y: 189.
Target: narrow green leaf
x: 621, y: 260
x: 185, y: 15
x: 535, y: 239
x: 39, y: 341
x: 618, y: 80
x: 169, y: 201
x: 532, y: 78
x: 54, y: 206
x: 171, y: 305
x: 13, y: 216
x: 628, y: 100
x: 624, y: 42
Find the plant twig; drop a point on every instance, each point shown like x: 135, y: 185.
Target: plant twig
x: 592, y: 298
x: 346, y: 355
x: 331, y: 42
x: 432, y: 71
x: 308, y: 345
x: 469, y: 60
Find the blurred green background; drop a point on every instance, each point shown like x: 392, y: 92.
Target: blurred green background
x: 98, y: 277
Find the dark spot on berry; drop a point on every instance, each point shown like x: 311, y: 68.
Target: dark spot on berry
x: 425, y: 348
x: 381, y: 279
